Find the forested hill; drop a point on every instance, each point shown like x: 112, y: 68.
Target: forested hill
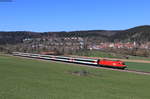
x: 140, y: 34
x: 18, y: 36
x: 14, y: 37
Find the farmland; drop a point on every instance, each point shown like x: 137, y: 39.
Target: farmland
x: 34, y: 79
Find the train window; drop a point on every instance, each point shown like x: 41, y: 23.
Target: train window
x: 44, y: 56
x: 34, y: 55
x: 62, y: 58
x: 85, y: 60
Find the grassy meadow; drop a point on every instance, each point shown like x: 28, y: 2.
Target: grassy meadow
x: 103, y: 54
x: 33, y: 79
x: 138, y: 66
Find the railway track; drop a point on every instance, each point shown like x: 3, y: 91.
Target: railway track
x: 91, y: 66
x: 138, y: 72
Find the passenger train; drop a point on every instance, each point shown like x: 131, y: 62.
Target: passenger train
x: 96, y: 62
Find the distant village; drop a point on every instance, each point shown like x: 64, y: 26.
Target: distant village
x: 77, y: 43
x: 119, y: 45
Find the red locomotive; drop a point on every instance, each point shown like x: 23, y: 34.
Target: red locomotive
x: 111, y: 63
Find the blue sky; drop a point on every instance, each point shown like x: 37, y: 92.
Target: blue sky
x: 70, y: 15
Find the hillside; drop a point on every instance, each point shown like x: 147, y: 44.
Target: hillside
x: 15, y: 37
x: 138, y: 34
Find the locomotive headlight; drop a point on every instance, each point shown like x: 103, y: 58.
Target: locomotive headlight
x: 114, y: 63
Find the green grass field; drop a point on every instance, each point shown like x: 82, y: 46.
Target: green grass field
x: 138, y: 66
x: 34, y: 79
x: 139, y: 58
x: 109, y: 55
x: 96, y: 54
